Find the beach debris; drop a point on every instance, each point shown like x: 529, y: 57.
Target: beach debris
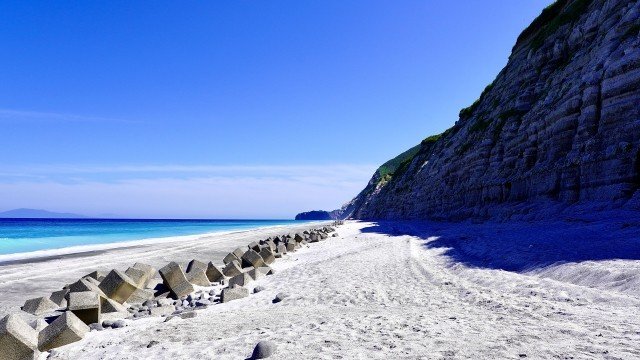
x: 240, y: 279
x: 202, y: 303
x: 263, y: 350
x: 92, y: 280
x: 260, y: 272
x: 239, y: 252
x: 59, y: 297
x: 166, y: 302
x: 110, y: 309
x: 84, y: 285
x: 254, y: 246
x: 290, y: 246
x: 270, y: 244
x: 66, y: 329
x: 18, y: 340
x: 162, y: 310
x: 230, y: 258
x: 196, y: 264
x: 232, y: 269
x: 281, y: 249
x: 39, y: 306
x: 104, y: 300
x: 198, y: 277
x: 85, y: 305
x: 279, y: 297
x: 214, y: 274
x: 140, y: 296
x: 233, y: 293
x: 107, y: 323
x: 118, y: 286
x: 175, y: 279
x: 96, y: 275
x: 267, y: 255
x: 235, y: 255
x: 96, y: 327
x: 141, y: 274
x: 39, y: 324
x: 196, y: 273
x: 252, y: 258
x: 188, y: 315
x: 119, y: 324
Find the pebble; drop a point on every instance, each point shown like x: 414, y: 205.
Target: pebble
x: 279, y: 297
x: 203, y: 303
x: 107, y: 323
x: 96, y: 327
x: 119, y: 324
x: 263, y: 350
x: 257, y: 289
x: 188, y: 315
x: 152, y: 343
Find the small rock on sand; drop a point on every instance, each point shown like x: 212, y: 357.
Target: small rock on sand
x: 263, y: 350
x: 188, y: 315
x: 119, y: 324
x: 96, y: 327
x: 279, y: 297
x: 107, y: 323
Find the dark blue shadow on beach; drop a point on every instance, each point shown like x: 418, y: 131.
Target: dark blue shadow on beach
x: 522, y: 246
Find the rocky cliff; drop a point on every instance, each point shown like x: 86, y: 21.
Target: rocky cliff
x: 559, y: 127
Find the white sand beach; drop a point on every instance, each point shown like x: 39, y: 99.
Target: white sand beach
x: 391, y: 291
x: 35, y: 274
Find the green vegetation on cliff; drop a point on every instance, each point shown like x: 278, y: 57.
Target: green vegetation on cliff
x: 551, y: 19
x: 394, y: 166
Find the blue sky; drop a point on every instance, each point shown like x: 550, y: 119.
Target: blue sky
x: 244, y: 109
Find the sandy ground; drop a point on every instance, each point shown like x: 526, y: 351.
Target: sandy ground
x: 416, y: 291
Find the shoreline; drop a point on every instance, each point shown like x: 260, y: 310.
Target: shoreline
x: 81, y: 250
x: 30, y: 275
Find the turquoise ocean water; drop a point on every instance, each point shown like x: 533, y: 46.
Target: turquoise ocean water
x: 25, y: 235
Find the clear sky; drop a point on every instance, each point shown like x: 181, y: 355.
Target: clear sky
x: 231, y: 109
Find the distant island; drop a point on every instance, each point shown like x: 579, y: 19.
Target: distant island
x: 315, y: 215
x: 37, y: 214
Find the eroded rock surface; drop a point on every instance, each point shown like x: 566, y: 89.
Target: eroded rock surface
x: 559, y: 126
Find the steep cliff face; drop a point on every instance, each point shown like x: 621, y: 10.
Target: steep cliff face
x: 559, y: 126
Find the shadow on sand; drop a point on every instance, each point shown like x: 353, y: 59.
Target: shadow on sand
x: 522, y: 246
